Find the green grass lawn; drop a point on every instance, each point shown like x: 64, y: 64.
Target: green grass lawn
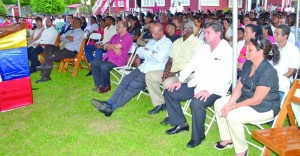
x: 63, y: 122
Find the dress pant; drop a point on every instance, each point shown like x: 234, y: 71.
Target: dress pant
x: 101, y: 72
x: 198, y: 108
x: 89, y: 49
x: 130, y: 85
x: 53, y: 53
x: 232, y: 127
x: 153, y: 81
x: 33, y: 56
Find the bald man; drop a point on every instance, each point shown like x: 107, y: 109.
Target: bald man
x: 182, y: 51
x: 156, y: 54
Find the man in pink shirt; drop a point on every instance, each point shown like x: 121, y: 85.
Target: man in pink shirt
x: 117, y: 51
x: 155, y: 8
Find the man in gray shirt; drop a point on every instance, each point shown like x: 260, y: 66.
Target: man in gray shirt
x: 69, y: 47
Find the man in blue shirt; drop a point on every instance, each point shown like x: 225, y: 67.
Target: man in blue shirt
x: 156, y: 54
x: 69, y: 47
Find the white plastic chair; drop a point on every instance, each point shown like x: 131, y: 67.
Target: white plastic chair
x: 210, y: 119
x: 284, y: 86
x: 94, y: 36
x: 124, y: 70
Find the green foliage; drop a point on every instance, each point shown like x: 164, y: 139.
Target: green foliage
x: 22, y: 2
x: 68, y: 2
x: 83, y: 9
x: 3, y: 9
x: 48, y: 6
x: 93, y: 2
x: 8, y: 1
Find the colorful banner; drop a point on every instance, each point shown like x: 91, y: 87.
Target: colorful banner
x: 15, y: 88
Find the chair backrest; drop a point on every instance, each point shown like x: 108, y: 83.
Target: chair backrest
x: 93, y: 36
x: 57, y: 40
x: 82, y: 47
x: 286, y: 109
x: 132, y: 56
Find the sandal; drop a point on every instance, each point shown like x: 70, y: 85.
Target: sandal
x: 218, y: 146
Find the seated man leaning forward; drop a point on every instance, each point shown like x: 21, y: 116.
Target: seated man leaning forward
x: 182, y: 51
x: 213, y: 76
x: 117, y: 51
x: 156, y: 55
x: 69, y: 47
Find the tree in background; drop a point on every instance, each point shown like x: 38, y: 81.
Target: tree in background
x: 3, y: 9
x: 69, y: 2
x: 15, y: 2
x: 48, y: 6
x: 22, y: 2
x: 7, y: 2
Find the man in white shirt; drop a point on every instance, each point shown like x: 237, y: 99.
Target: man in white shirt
x: 179, y: 7
x: 291, y: 36
x: 213, y: 75
x: 93, y: 27
x: 289, y: 60
x: 155, y: 54
x: 172, y: 9
x: 48, y: 37
x: 182, y: 51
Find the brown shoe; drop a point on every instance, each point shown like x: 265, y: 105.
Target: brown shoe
x: 106, y: 89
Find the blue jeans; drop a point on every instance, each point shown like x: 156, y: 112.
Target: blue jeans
x: 89, y: 49
x: 130, y: 85
x: 101, y: 72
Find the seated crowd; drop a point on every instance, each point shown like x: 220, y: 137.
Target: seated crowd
x: 189, y: 57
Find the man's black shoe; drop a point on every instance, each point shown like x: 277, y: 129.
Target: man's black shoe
x: 98, y: 103
x: 89, y: 73
x: 177, y: 129
x: 193, y: 143
x: 166, y: 121
x: 157, y: 109
x: 44, y: 67
x: 43, y: 79
x: 103, y: 107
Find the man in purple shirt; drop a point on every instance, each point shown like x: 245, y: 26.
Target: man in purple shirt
x: 117, y: 51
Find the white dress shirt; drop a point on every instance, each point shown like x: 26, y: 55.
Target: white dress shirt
x: 213, y: 69
x: 48, y: 36
x: 289, y: 58
x: 108, y: 33
x: 155, y: 53
x: 91, y: 28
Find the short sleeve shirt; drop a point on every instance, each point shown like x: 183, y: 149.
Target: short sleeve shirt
x: 265, y: 75
x: 135, y: 31
x: 126, y: 43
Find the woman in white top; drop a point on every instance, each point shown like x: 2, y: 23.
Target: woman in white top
x: 226, y: 22
x: 37, y: 33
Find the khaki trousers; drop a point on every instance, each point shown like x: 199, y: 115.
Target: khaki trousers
x: 153, y: 82
x: 231, y: 128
